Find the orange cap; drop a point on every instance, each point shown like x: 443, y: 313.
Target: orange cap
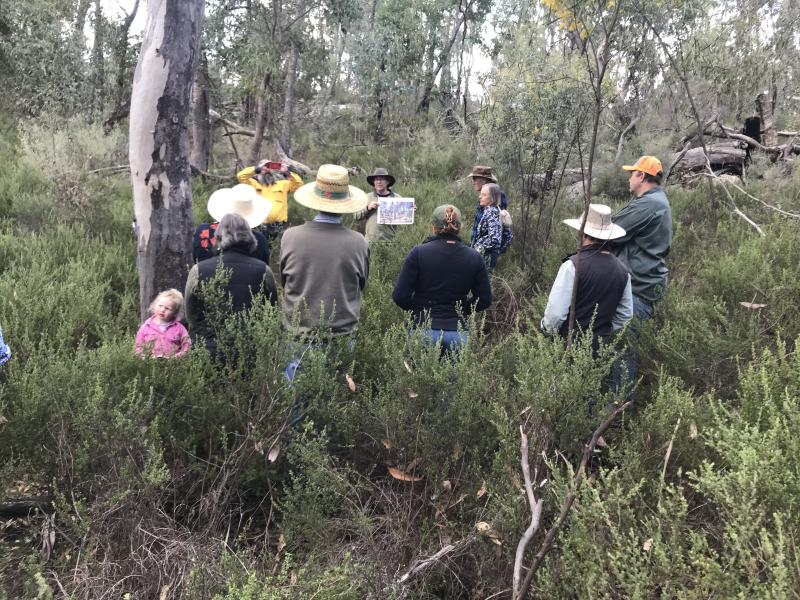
x: 647, y: 164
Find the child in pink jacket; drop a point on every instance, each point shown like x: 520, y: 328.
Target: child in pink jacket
x: 162, y: 335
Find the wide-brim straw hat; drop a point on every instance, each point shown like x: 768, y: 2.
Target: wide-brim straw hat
x: 332, y: 192
x: 598, y: 223
x: 380, y: 173
x: 241, y: 199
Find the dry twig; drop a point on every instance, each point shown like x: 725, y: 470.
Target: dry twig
x: 569, y: 499
x: 536, y: 512
x: 423, y: 564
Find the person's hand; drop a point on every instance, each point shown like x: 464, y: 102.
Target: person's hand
x: 372, y: 205
x: 284, y: 169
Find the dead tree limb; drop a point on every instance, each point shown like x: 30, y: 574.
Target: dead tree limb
x: 423, y: 564
x: 536, y: 513
x: 785, y: 213
x: 569, y: 499
x: 736, y: 210
x: 621, y: 142
x: 676, y: 159
x: 22, y: 507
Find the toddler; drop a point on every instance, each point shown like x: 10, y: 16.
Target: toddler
x: 162, y: 335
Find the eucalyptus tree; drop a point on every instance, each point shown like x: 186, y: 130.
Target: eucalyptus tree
x: 267, y: 56
x: 42, y: 55
x: 159, y: 144
x: 405, y: 47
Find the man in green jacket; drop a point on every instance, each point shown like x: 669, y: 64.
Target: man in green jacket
x: 382, y: 183
x: 647, y: 221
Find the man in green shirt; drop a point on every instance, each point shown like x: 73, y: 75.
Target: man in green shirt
x: 647, y: 221
x: 382, y: 181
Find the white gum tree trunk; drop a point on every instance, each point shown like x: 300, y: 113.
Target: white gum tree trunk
x: 159, y: 144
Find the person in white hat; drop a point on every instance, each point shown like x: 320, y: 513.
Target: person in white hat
x: 242, y: 200
x: 323, y: 265
x: 604, y: 301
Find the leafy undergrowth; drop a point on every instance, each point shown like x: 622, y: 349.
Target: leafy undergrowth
x: 183, y: 479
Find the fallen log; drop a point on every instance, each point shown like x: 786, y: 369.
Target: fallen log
x: 22, y: 507
x: 540, y: 182
x: 722, y: 157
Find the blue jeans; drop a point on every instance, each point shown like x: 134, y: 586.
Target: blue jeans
x: 625, y: 366
x: 332, y: 347
x: 452, y: 341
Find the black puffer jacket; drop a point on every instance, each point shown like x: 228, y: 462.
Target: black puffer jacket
x: 439, y: 276
x: 249, y: 278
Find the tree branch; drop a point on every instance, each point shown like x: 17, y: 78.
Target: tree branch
x: 423, y: 564
x: 569, y: 499
x: 536, y: 513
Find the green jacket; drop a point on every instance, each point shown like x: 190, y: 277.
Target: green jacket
x: 647, y: 221
x: 372, y: 230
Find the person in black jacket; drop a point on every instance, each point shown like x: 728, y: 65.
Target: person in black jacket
x: 603, y: 301
x: 245, y: 278
x: 443, y: 280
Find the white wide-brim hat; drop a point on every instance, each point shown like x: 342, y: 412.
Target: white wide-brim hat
x: 332, y: 192
x: 241, y: 199
x: 598, y: 223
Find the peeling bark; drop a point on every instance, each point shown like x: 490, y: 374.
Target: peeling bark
x: 159, y: 144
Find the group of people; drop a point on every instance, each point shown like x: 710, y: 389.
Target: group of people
x: 619, y: 268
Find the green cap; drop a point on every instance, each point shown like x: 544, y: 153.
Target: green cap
x: 440, y: 215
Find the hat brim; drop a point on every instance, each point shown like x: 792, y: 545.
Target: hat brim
x: 309, y: 197
x: 371, y: 179
x: 223, y: 202
x: 484, y: 176
x: 640, y: 169
x: 608, y: 234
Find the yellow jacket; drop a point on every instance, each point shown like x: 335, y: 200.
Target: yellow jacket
x: 277, y: 193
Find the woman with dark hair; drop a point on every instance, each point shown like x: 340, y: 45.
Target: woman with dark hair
x: 443, y: 280
x: 246, y: 277
x: 489, y: 235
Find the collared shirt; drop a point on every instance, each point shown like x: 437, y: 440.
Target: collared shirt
x: 647, y: 222
x: 560, y: 300
x: 328, y: 218
x: 277, y: 193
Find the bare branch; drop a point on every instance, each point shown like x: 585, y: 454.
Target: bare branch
x: 423, y: 564
x: 569, y: 499
x: 536, y: 513
x: 736, y: 209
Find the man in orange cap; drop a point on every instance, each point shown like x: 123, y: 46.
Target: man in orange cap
x: 647, y: 221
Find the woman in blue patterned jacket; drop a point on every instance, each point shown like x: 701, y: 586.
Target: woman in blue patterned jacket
x: 490, y: 230
x: 5, y: 351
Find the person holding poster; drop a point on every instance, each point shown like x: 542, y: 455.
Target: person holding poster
x: 382, y: 183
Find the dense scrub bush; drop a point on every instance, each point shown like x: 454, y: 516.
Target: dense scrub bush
x: 187, y: 475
